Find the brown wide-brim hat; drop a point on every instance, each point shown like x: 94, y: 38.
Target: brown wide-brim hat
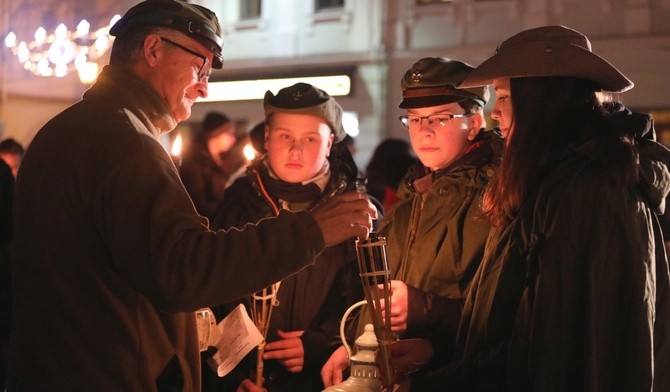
x: 193, y: 20
x: 548, y: 51
x: 303, y: 98
x: 432, y: 81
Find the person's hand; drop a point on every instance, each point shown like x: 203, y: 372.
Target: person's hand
x: 399, y: 306
x: 249, y: 386
x: 332, y: 371
x: 345, y: 216
x: 287, y: 350
x: 407, y: 356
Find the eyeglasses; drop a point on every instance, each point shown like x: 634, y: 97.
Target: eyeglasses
x: 203, y: 71
x: 435, y: 121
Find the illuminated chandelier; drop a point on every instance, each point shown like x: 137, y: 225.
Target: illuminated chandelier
x: 63, y: 51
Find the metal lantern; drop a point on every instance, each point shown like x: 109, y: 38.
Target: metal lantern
x: 364, y: 373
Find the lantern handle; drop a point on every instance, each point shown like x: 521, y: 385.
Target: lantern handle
x: 343, y: 322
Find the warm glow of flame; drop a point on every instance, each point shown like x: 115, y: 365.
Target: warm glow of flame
x: 249, y: 152
x: 176, y: 145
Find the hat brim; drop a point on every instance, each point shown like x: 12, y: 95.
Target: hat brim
x: 321, y: 111
x: 540, y: 60
x: 428, y: 101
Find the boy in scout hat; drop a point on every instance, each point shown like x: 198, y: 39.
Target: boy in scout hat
x: 300, y: 170
x: 434, y: 236
x: 109, y: 258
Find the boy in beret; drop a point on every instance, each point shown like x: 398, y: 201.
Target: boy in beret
x: 299, y: 171
x: 435, y: 235
x: 109, y: 258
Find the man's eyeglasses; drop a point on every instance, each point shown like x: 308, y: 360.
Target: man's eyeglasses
x: 435, y: 121
x: 203, y: 71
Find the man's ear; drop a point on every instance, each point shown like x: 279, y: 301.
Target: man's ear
x: 150, y: 49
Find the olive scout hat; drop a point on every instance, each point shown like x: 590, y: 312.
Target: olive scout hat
x: 432, y: 81
x: 193, y: 20
x: 303, y: 98
x: 548, y: 51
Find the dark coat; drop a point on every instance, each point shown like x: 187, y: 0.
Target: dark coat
x: 436, y: 239
x: 110, y: 259
x: 6, y: 196
x: 574, y: 294
x: 312, y: 300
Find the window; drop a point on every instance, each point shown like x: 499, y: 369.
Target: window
x: 320, y: 5
x: 250, y: 9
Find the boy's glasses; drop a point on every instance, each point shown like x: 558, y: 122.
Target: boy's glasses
x: 435, y: 121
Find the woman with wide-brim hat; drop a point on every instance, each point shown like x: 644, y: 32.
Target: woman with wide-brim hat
x: 573, y: 290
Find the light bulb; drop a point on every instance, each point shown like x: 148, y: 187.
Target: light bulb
x: 61, y: 31
x: 88, y: 72
x: 10, y: 40
x: 83, y: 27
x: 40, y: 36
x: 61, y: 70
x: 114, y: 19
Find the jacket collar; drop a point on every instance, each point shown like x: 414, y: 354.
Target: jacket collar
x: 131, y: 93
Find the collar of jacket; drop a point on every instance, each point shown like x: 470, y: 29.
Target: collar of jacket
x: 130, y: 92
x: 336, y: 183
x: 485, y: 151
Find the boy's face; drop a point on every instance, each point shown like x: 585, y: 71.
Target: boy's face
x: 438, y: 141
x: 297, y: 145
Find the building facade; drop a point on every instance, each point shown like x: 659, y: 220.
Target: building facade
x: 372, y: 42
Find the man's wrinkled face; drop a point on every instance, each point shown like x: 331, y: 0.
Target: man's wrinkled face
x: 182, y: 71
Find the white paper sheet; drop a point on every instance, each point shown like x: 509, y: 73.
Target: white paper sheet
x: 239, y: 336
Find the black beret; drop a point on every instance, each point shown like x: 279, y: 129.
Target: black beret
x: 303, y: 98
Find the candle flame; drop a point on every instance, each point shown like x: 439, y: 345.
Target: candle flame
x: 249, y: 152
x: 176, y: 145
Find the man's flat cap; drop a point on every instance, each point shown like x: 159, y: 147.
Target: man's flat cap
x: 193, y: 20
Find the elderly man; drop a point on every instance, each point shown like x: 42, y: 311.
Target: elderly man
x: 110, y: 258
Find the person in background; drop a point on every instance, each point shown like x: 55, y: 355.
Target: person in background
x: 388, y: 165
x: 11, y: 152
x: 299, y: 171
x: 207, y: 164
x: 110, y: 260
x: 257, y: 138
x: 435, y: 236
x: 350, y: 143
x: 573, y: 293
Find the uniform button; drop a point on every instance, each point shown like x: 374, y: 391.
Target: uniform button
x: 490, y: 172
x: 272, y: 376
x: 442, y: 192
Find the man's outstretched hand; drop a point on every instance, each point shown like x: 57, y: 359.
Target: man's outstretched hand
x: 345, y: 216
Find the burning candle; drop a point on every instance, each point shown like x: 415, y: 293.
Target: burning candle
x: 249, y: 152
x: 176, y: 150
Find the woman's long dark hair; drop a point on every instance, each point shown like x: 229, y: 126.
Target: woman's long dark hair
x: 549, y: 114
